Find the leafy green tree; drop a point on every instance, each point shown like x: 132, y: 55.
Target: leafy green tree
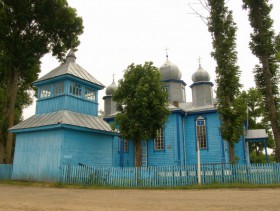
x: 277, y: 45
x: 142, y: 105
x: 257, y: 119
x: 29, y: 30
x: 264, y: 45
x: 232, y: 110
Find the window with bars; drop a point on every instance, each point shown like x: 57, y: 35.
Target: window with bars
x: 89, y: 94
x: 75, y: 89
x: 45, y: 91
x: 58, y: 88
x: 201, y: 132
x: 159, y: 140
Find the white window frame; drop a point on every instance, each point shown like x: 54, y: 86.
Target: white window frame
x: 201, y: 136
x: 76, y: 89
x: 45, y: 91
x: 159, y: 140
x: 89, y: 94
x: 58, y: 88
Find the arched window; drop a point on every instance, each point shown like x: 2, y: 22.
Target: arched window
x: 201, y: 132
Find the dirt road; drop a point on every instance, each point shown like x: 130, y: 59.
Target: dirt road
x: 45, y: 198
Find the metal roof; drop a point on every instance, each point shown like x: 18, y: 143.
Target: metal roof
x: 71, y: 68
x: 188, y: 107
x: 64, y: 117
x: 256, y: 134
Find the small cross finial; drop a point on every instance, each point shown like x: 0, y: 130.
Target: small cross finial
x: 166, y: 52
x: 113, y: 76
x: 199, y: 61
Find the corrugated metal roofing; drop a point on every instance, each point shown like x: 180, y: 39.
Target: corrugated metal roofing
x: 256, y: 134
x: 64, y: 117
x: 70, y: 68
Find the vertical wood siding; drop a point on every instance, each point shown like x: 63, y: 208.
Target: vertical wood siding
x: 66, y: 102
x: 213, y: 154
x: 87, y: 149
x: 168, y: 156
x: 6, y: 171
x: 128, y: 157
x: 37, y: 156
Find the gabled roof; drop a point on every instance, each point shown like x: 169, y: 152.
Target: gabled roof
x: 64, y: 117
x: 70, y: 68
x: 256, y: 134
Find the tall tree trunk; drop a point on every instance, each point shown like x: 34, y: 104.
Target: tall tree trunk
x: 14, y: 77
x: 3, y: 129
x: 270, y: 104
x: 2, y: 151
x: 263, y: 48
x: 138, y: 153
x: 231, y: 153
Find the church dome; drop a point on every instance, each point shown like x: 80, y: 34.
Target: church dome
x: 170, y: 71
x: 110, y: 89
x: 200, y: 75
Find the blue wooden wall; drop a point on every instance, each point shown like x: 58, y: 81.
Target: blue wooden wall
x: 66, y: 102
x: 121, y: 158
x: 37, y: 155
x: 173, y: 153
x: 240, y: 149
x: 87, y: 148
x: 215, y: 153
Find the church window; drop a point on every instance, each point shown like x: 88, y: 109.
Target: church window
x: 201, y: 132
x: 58, y: 88
x: 45, y: 91
x: 75, y: 89
x: 159, y: 141
x: 89, y: 94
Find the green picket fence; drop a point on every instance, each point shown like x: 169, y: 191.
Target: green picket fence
x: 6, y: 171
x: 171, y: 176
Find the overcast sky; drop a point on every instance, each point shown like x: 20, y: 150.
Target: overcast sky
x: 118, y: 33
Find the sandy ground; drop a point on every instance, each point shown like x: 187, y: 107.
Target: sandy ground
x: 44, y: 198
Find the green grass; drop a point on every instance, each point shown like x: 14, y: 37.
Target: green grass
x: 189, y: 187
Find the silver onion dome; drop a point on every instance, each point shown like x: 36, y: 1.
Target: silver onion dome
x: 111, y: 88
x: 200, y: 75
x: 170, y: 71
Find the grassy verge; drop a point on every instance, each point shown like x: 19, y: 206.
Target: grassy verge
x: 189, y: 187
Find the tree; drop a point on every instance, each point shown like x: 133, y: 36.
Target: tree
x: 142, y: 105
x: 231, y: 109
x: 29, y: 30
x: 277, y: 46
x: 257, y: 119
x: 264, y: 45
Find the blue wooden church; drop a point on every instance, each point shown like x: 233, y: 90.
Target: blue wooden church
x: 65, y: 129
x: 189, y: 126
